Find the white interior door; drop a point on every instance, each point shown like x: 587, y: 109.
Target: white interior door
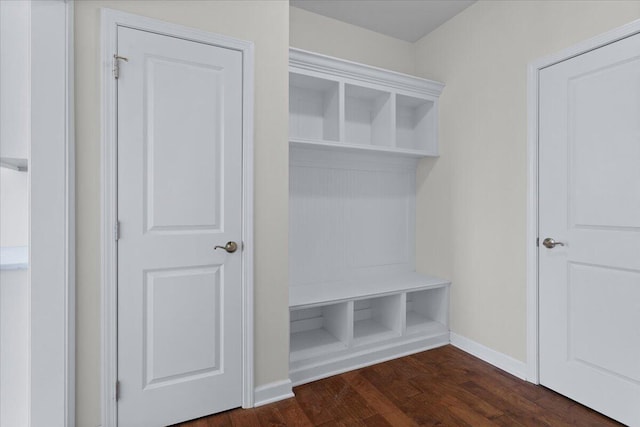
x: 589, y: 201
x: 179, y: 195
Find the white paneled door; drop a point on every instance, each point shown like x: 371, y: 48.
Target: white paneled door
x: 179, y: 196
x: 589, y: 205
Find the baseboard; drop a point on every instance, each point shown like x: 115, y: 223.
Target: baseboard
x: 497, y: 359
x: 272, y: 392
x: 305, y: 371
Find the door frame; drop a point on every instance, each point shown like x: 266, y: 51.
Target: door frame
x: 110, y: 21
x: 51, y: 182
x: 51, y: 177
x: 533, y: 73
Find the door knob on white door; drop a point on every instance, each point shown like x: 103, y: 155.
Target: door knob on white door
x: 549, y: 243
x: 230, y: 247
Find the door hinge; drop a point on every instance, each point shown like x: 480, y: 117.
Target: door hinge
x: 116, y: 231
x: 116, y: 64
x: 117, y: 390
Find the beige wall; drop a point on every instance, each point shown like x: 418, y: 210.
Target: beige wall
x: 266, y: 24
x: 471, y: 209
x: 471, y: 201
x: 328, y: 36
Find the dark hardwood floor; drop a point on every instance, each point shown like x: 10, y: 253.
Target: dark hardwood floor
x: 440, y: 387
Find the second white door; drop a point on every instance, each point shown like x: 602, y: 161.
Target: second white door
x: 179, y: 196
x: 589, y: 205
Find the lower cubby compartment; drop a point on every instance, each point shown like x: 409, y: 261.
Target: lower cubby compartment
x: 376, y: 319
x: 319, y: 330
x: 427, y: 311
x: 334, y: 337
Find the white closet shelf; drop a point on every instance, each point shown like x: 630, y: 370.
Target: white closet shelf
x: 306, y: 344
x: 343, y: 105
x: 14, y: 163
x: 419, y: 324
x: 340, y: 146
x: 322, y: 293
x: 14, y: 258
x: 370, y: 331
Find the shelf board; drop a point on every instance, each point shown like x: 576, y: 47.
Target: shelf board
x: 14, y: 258
x: 417, y: 323
x: 323, y: 293
x: 368, y: 330
x: 14, y: 164
x: 343, y: 146
x: 313, y: 342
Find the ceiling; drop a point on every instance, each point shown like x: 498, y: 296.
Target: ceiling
x: 407, y: 20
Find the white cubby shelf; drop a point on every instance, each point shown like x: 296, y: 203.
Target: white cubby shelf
x: 341, y: 104
x: 374, y: 286
x: 356, y: 136
x: 337, y: 327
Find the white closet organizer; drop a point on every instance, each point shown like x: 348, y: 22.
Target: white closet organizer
x: 356, y: 135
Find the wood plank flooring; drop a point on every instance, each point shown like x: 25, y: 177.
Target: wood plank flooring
x: 440, y: 387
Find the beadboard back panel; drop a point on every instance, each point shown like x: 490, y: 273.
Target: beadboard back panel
x: 351, y: 216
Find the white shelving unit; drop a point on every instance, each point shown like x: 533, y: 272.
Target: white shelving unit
x: 356, y: 135
x: 343, y: 103
x: 330, y: 338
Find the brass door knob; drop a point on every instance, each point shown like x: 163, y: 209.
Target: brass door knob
x: 549, y: 243
x: 230, y: 247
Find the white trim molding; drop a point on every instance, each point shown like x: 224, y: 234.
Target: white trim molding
x: 110, y: 21
x: 324, y: 65
x: 52, y: 216
x: 273, y: 392
x: 499, y: 360
x: 533, y: 71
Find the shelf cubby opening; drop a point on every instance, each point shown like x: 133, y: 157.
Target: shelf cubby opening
x: 427, y: 311
x: 367, y: 116
x: 415, y: 123
x: 376, y: 319
x: 319, y: 330
x: 313, y: 108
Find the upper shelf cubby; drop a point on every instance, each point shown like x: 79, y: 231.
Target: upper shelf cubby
x: 313, y: 108
x: 342, y: 105
x: 367, y: 117
x: 416, y: 124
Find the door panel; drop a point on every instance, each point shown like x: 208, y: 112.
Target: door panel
x: 176, y: 301
x: 602, y: 110
x: 590, y: 201
x: 591, y: 321
x: 179, y: 195
x: 184, y: 131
